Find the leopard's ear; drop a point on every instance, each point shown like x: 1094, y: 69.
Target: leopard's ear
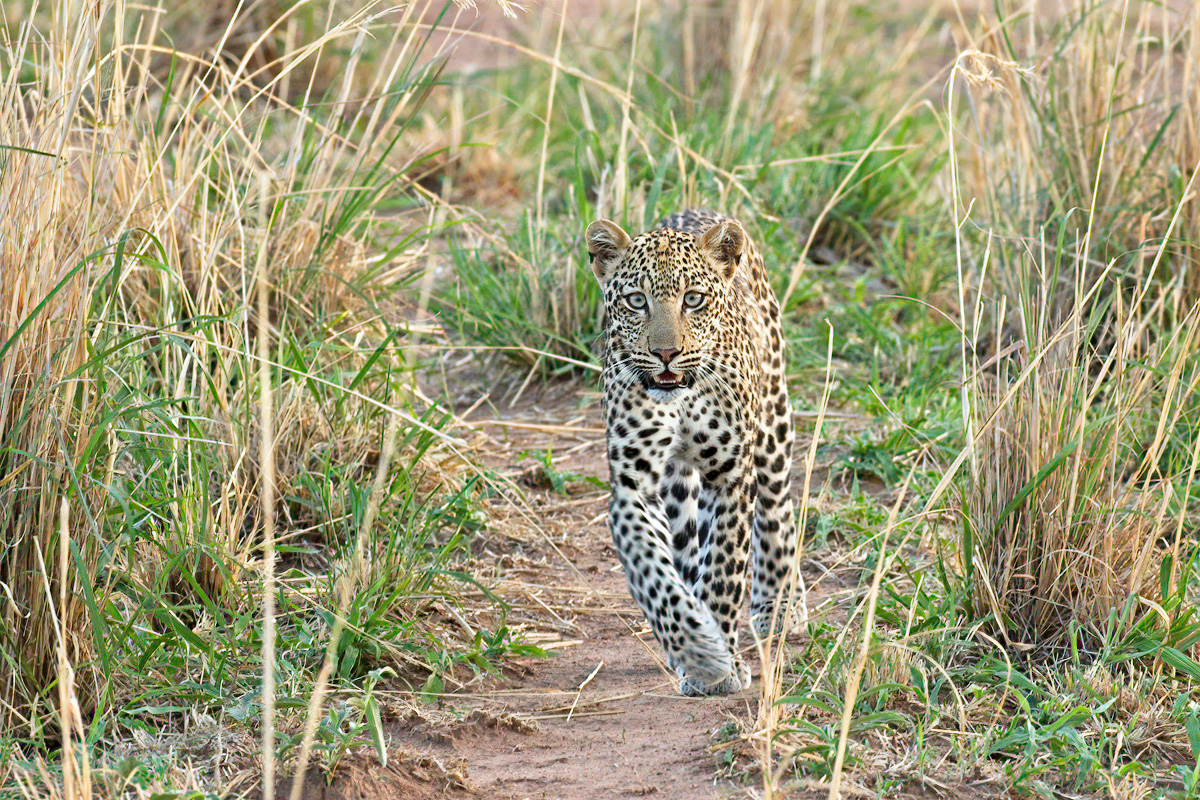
x: 724, y: 243
x: 606, y: 243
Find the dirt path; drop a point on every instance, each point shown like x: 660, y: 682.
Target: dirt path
x: 626, y: 733
x: 600, y: 718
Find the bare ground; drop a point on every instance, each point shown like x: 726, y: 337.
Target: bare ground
x: 598, y: 719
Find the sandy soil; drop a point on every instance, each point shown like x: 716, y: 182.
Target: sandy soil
x: 625, y: 733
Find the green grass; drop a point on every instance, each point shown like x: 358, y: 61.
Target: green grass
x: 526, y: 287
x: 942, y: 699
x: 134, y: 461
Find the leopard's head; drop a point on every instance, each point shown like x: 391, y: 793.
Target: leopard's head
x: 668, y: 296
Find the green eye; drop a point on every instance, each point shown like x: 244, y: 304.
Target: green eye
x: 693, y: 300
x: 636, y: 301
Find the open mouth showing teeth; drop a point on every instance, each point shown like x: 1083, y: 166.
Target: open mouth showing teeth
x: 666, y: 380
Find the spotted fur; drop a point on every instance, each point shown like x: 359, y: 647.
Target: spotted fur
x: 699, y: 436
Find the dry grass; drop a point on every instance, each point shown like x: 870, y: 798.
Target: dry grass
x: 1068, y: 513
x: 1083, y: 133
x: 45, y: 407
x: 135, y: 198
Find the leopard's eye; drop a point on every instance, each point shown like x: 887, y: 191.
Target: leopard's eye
x: 636, y: 301
x: 693, y: 300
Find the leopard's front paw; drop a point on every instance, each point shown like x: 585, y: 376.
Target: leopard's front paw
x: 730, y: 684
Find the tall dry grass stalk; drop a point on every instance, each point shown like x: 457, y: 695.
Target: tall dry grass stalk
x: 130, y: 216
x: 266, y: 400
x: 773, y: 651
x: 51, y: 227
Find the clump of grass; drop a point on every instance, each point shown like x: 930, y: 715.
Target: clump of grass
x: 1090, y: 381
x: 1073, y: 501
x: 47, y: 410
x: 143, y: 195
x: 530, y: 296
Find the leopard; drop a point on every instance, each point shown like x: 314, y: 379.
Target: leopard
x: 699, y: 437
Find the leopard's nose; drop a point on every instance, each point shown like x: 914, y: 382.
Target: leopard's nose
x: 665, y: 354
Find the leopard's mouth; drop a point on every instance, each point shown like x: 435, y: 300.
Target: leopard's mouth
x: 666, y: 381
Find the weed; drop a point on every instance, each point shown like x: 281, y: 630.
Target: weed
x: 545, y: 475
x: 351, y: 723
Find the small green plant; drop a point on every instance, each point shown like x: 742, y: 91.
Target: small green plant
x: 867, y: 458
x: 348, y: 724
x: 546, y: 475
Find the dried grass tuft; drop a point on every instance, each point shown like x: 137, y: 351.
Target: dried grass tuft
x: 1082, y: 421
x: 1084, y: 122
x: 130, y: 222
x: 1065, y: 511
